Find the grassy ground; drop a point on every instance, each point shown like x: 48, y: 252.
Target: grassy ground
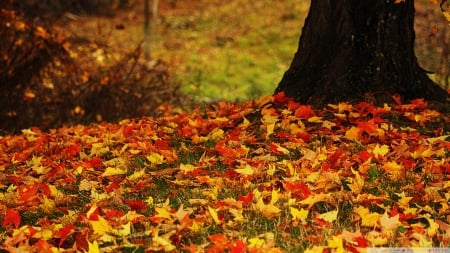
x: 264, y: 176
x: 234, y: 50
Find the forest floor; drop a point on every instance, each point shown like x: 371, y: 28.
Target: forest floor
x: 263, y: 175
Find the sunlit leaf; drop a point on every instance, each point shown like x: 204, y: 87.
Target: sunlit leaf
x: 300, y: 215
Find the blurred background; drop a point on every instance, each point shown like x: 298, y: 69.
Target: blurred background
x: 66, y: 62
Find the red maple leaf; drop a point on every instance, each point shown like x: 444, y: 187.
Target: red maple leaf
x: 12, y: 217
x: 238, y: 247
x: 136, y: 205
x: 304, y: 111
x: 64, y: 232
x: 246, y: 199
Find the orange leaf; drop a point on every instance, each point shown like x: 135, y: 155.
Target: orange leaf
x: 238, y: 247
x: 304, y: 111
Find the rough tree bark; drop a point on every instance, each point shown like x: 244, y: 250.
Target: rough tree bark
x: 357, y: 49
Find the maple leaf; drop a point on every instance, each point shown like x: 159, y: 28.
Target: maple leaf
x: 12, y: 217
x: 336, y: 244
x: 328, y: 216
x: 368, y: 219
x: 93, y: 247
x: 301, y: 214
x: 238, y: 246
x: 389, y: 223
x: 214, y: 215
x: 64, y: 232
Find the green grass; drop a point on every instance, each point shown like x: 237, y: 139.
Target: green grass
x: 236, y: 52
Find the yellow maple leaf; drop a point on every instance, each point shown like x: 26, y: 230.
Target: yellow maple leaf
x: 163, y: 212
x: 352, y: 133
x: 300, y: 215
x: 93, y: 247
x: 393, y: 169
x: 101, y: 226
x: 113, y: 171
x: 187, y: 168
x: 137, y: 175
x: 267, y: 210
x: 216, y: 134
x: 433, y: 228
x: 380, y: 151
x: 214, y: 215
x: 336, y: 243
x: 368, y: 219
x: 48, y: 205
x: 155, y: 158
x: 329, y: 216
x: 256, y: 242
x: 404, y: 201
x: 124, y: 229
x: 246, y: 171
x: 376, y: 238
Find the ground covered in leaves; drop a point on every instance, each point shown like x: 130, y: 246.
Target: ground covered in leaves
x: 264, y: 176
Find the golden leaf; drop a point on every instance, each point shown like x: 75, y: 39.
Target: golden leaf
x: 113, y: 171
x: 155, y: 158
x: 163, y: 212
x: 214, y: 215
x: 352, y: 133
x: 300, y: 215
x: 246, y: 171
x: 380, y: 151
x: 93, y: 247
x: 368, y: 219
x: 101, y: 226
x: 329, y: 216
x: 337, y: 244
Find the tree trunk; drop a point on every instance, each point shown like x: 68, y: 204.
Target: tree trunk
x: 356, y: 49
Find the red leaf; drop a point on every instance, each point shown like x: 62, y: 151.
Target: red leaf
x: 71, y: 151
x: 127, y: 130
x: 64, y: 232
x: 281, y: 98
x: 95, y: 162
x: 238, y: 247
x: 218, y: 239
x: 81, y: 242
x: 364, y: 155
x: 297, y: 188
x: 12, y: 217
x: 304, y: 111
x: 246, y: 199
x: 362, y: 242
x: 136, y: 205
x: 114, y: 213
x: 191, y: 248
x: 368, y: 126
x: 333, y: 158
x: 162, y: 144
x: 28, y: 193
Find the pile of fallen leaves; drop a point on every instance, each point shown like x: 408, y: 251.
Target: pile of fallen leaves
x: 264, y: 176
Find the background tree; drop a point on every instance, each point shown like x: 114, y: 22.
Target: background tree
x: 353, y: 49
